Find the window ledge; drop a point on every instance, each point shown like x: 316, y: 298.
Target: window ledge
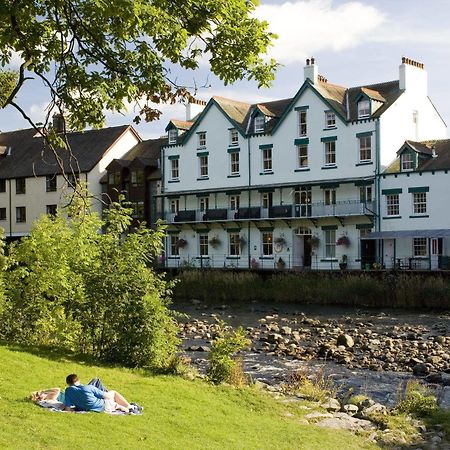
x: 237, y: 175
x: 418, y: 216
x: 233, y: 257
x: 202, y: 257
x: 329, y: 167
x: 391, y: 217
x: 173, y: 257
x: 329, y: 260
x: 266, y: 257
x: 364, y: 163
x: 202, y: 178
x: 173, y: 181
x: 330, y: 128
x: 302, y: 169
x: 266, y: 173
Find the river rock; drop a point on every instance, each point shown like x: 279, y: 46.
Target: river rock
x: 331, y: 405
x: 345, y: 340
x: 286, y: 330
x: 376, y: 408
x: 435, y: 377
x: 350, y: 409
x: 342, y: 421
x: 421, y: 369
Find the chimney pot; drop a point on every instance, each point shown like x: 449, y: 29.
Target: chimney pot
x: 312, y: 61
x: 307, y: 62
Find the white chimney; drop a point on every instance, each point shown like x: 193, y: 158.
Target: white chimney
x: 194, y: 107
x: 311, y: 71
x: 413, y: 77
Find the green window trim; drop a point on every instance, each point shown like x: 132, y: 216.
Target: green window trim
x: 301, y: 108
x: 265, y: 229
x: 265, y: 146
x: 173, y: 231
x: 328, y: 139
x: 364, y: 134
x: 301, y: 141
x: 266, y: 190
x: 329, y: 186
x: 202, y: 154
x: 233, y: 230
x: 233, y: 193
x: 391, y: 191
x: 171, y: 157
x: 233, y: 150
x: 329, y: 227
x: 202, y: 195
x: 419, y: 189
x: 364, y: 183
x: 364, y: 226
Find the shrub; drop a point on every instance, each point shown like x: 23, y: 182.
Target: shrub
x: 418, y: 400
x: 311, y: 384
x: 223, y: 366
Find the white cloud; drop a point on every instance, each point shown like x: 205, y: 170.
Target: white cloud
x: 306, y: 27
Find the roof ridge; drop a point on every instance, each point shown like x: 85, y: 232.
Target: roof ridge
x: 371, y: 86
x: 215, y: 97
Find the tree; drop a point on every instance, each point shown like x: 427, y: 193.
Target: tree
x: 97, y: 55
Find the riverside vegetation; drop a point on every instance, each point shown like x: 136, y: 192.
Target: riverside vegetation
x: 380, y: 289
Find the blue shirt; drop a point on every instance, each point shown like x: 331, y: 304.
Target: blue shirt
x: 84, y: 398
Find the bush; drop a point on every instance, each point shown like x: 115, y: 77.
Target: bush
x: 70, y: 286
x: 223, y: 367
x: 311, y: 384
x: 418, y: 400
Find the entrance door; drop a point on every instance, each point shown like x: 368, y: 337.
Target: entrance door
x: 297, y: 252
x: 307, y: 251
x: 368, y: 252
x: 436, y: 252
x: 388, y: 253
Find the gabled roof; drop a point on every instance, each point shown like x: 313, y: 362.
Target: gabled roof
x: 426, y: 161
x: 180, y: 124
x: 149, y: 150
x: 29, y: 155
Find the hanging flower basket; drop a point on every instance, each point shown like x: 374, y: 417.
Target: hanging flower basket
x: 214, y: 242
x: 181, y: 243
x: 254, y: 264
x: 242, y: 241
x: 315, y: 241
x: 343, y: 240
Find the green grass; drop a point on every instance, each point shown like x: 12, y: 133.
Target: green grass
x: 179, y: 414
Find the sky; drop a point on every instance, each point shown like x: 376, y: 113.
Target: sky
x: 353, y: 42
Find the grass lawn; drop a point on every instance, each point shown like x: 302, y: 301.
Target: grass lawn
x: 178, y: 414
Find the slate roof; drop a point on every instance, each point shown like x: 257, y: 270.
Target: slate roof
x: 182, y: 124
x: 426, y: 162
x: 28, y: 156
x: 149, y: 151
x: 241, y: 113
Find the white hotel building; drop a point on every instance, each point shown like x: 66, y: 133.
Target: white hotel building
x: 298, y: 183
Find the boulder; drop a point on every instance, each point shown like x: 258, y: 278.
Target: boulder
x: 342, y: 421
x: 331, y: 405
x: 421, y: 369
x: 350, y: 409
x: 345, y: 340
x: 434, y: 377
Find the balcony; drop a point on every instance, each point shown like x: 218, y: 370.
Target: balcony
x: 345, y: 208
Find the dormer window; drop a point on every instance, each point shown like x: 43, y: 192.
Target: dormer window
x: 363, y: 109
x: 407, y: 160
x: 201, y: 140
x: 173, y: 135
x: 259, y: 124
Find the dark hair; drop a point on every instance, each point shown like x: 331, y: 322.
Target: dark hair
x: 72, y: 379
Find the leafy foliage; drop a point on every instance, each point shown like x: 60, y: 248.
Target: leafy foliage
x: 99, y: 55
x: 223, y: 367
x: 69, y: 285
x: 418, y: 400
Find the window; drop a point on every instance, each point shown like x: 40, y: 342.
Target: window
x: 302, y: 156
x: 267, y: 244
x: 259, y: 123
x: 174, y: 205
x: 234, y: 202
x: 2, y: 213
x: 363, y: 109
x: 330, y: 196
x: 20, y: 186
x: 267, y: 159
x: 365, y: 194
x: 234, y: 244
x: 173, y: 135
x: 203, y: 161
x: 137, y: 178
x: 365, y: 148
x: 203, y: 244
x: 420, y: 202
x: 51, y: 210
x: 330, y: 153
x: 392, y: 205
x: 21, y: 214
x: 330, y: 119
x: 302, y: 200
x: 74, y: 179
x: 204, y: 203
x: 234, y: 163
x: 114, y: 178
x: 420, y: 246
x: 201, y: 143
x: 50, y: 183
x: 2, y: 185
x: 138, y: 210
x: 330, y: 243
x: 173, y: 241
x: 174, y: 169
x: 234, y: 137
x: 302, y: 126
x: 267, y: 200
x: 407, y: 161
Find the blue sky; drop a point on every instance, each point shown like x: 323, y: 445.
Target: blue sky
x: 354, y: 42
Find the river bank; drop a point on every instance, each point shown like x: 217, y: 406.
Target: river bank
x: 368, y: 352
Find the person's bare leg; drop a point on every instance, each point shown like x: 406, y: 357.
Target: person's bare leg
x: 119, y: 399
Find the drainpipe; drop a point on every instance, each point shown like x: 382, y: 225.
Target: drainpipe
x: 249, y: 200
x: 378, y: 181
x: 10, y: 210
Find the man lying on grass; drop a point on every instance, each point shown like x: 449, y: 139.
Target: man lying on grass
x: 86, y: 397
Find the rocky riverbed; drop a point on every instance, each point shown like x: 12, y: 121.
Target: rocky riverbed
x: 368, y: 352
